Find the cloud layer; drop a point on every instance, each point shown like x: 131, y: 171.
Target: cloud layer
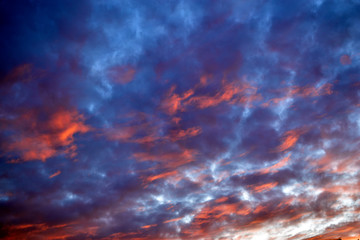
x: 180, y: 119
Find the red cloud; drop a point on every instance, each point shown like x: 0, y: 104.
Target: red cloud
x: 182, y: 134
x: 173, y: 220
x: 301, y: 92
x: 162, y: 175
x: 40, y: 140
x: 168, y: 159
x: 232, y: 92
x: 55, y: 174
x: 264, y: 187
x: 45, y: 231
x: 149, y: 226
x: 276, y: 166
x: 143, y: 128
x: 289, y: 139
x: 173, y: 102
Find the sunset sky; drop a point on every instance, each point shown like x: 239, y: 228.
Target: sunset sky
x: 180, y: 119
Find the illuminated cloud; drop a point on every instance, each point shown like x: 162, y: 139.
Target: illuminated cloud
x: 289, y: 140
x: 173, y: 102
x: 264, y: 187
x: 40, y: 140
x: 55, y: 174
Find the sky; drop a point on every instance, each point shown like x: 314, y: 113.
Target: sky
x: 164, y: 119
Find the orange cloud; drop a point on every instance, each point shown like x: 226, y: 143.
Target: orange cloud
x: 46, y: 138
x: 276, y: 166
x: 265, y: 187
x: 225, y: 94
x: 259, y: 208
x: 120, y: 235
x: 210, y: 213
x: 182, y: 134
x: 162, y: 175
x: 222, y: 199
x: 173, y: 220
x: 67, y: 123
x: 311, y: 91
x: 232, y: 92
x: 145, y: 128
x: 301, y: 92
x: 173, y: 102
x: 33, y: 148
x: 203, y: 80
x: 274, y: 101
x: 289, y: 140
x: 44, y: 231
x: 149, y: 226
x: 244, y: 211
x: 170, y: 159
x: 55, y: 174
x: 146, y: 133
x: 336, y: 164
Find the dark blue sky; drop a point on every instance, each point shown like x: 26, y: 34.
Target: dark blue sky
x: 179, y: 119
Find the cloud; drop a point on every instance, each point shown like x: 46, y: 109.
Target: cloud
x: 121, y: 74
x: 264, y: 187
x: 55, y: 174
x: 289, y: 140
x: 51, y: 137
x: 179, y: 120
